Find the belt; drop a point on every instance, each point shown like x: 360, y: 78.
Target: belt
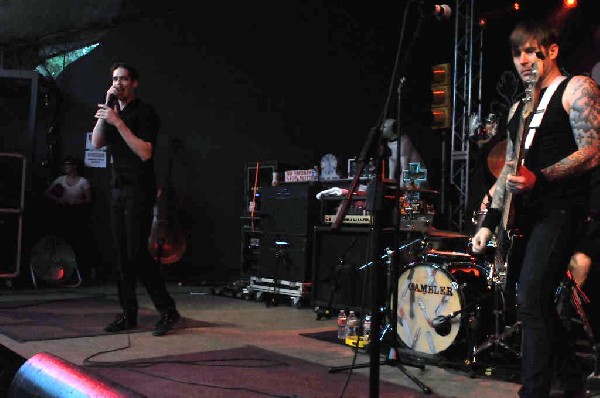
x: 121, y: 181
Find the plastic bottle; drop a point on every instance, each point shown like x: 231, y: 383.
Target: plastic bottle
x: 314, y: 174
x: 367, y: 327
x: 352, y: 325
x: 341, y: 322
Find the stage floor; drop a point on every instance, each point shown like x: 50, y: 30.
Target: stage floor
x: 68, y: 323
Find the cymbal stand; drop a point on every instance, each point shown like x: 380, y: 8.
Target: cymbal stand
x: 497, y: 339
x: 385, y: 313
x: 388, y: 311
x: 375, y: 139
x: 578, y: 299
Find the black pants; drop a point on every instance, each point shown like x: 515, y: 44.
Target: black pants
x: 131, y: 220
x: 549, y: 244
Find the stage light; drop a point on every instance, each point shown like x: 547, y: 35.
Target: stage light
x: 440, y: 96
x: 570, y: 3
x: 482, y: 22
x: 516, y: 6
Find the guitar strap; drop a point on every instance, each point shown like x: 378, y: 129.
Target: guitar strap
x: 538, y: 115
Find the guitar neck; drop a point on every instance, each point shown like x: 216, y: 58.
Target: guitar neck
x: 506, y: 212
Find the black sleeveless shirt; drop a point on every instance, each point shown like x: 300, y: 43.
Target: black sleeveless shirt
x: 553, y: 141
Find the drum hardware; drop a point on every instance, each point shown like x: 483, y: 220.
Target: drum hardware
x: 446, y: 257
x: 578, y: 299
x: 439, y: 233
x: 439, y: 307
x: 393, y: 359
x: 497, y: 340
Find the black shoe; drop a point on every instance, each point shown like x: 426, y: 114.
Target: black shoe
x: 121, y: 322
x: 166, y: 322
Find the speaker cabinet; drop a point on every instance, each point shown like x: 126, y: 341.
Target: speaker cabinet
x: 341, y: 270
x: 12, y: 203
x: 10, y: 236
x: 290, y: 209
x: 12, y: 183
x: 284, y: 257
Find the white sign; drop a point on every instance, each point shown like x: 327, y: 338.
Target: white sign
x: 95, y: 158
x: 88, y: 143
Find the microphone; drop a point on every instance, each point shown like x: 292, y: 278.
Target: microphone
x: 442, y: 12
x: 111, y: 101
x: 442, y: 324
x: 440, y: 320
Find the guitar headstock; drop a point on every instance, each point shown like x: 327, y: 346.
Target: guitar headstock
x: 530, y: 98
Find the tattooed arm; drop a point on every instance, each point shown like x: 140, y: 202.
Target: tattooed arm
x: 581, y: 100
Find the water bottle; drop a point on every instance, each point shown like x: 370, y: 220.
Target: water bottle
x: 341, y: 322
x: 314, y: 174
x: 367, y: 327
x: 352, y: 325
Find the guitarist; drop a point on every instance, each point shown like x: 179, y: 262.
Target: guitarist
x: 551, y: 192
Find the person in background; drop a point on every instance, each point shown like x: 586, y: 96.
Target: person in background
x: 129, y: 127
x: 408, y: 152
x: 69, y: 218
x: 71, y: 188
x: 551, y: 194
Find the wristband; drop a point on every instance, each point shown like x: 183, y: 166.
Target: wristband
x: 492, y: 218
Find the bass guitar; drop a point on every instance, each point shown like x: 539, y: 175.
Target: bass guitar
x: 167, y: 242
x: 508, y: 231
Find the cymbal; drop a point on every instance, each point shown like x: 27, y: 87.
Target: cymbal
x: 412, y: 188
x: 496, y: 156
x: 391, y: 182
x: 439, y: 233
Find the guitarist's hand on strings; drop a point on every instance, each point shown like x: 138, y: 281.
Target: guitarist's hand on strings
x: 523, y: 182
x: 480, y: 240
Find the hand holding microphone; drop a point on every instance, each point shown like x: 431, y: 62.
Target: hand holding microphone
x: 111, y: 100
x: 111, y: 97
x: 107, y: 110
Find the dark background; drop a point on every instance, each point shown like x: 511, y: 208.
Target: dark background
x: 245, y: 82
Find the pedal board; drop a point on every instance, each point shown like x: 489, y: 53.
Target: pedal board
x: 296, y: 291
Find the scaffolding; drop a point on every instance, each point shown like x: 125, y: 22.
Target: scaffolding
x: 466, y: 100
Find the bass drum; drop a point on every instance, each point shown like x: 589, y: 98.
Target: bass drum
x: 433, y: 301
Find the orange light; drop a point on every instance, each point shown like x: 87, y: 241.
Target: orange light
x: 516, y: 6
x: 570, y: 3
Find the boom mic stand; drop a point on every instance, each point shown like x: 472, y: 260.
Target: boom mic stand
x: 376, y: 270
x: 375, y: 138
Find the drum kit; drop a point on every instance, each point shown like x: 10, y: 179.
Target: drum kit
x: 446, y: 302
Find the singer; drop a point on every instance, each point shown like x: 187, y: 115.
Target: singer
x: 130, y: 127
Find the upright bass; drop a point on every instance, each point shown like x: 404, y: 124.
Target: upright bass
x: 167, y: 242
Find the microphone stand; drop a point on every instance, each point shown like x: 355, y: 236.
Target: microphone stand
x: 376, y: 271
